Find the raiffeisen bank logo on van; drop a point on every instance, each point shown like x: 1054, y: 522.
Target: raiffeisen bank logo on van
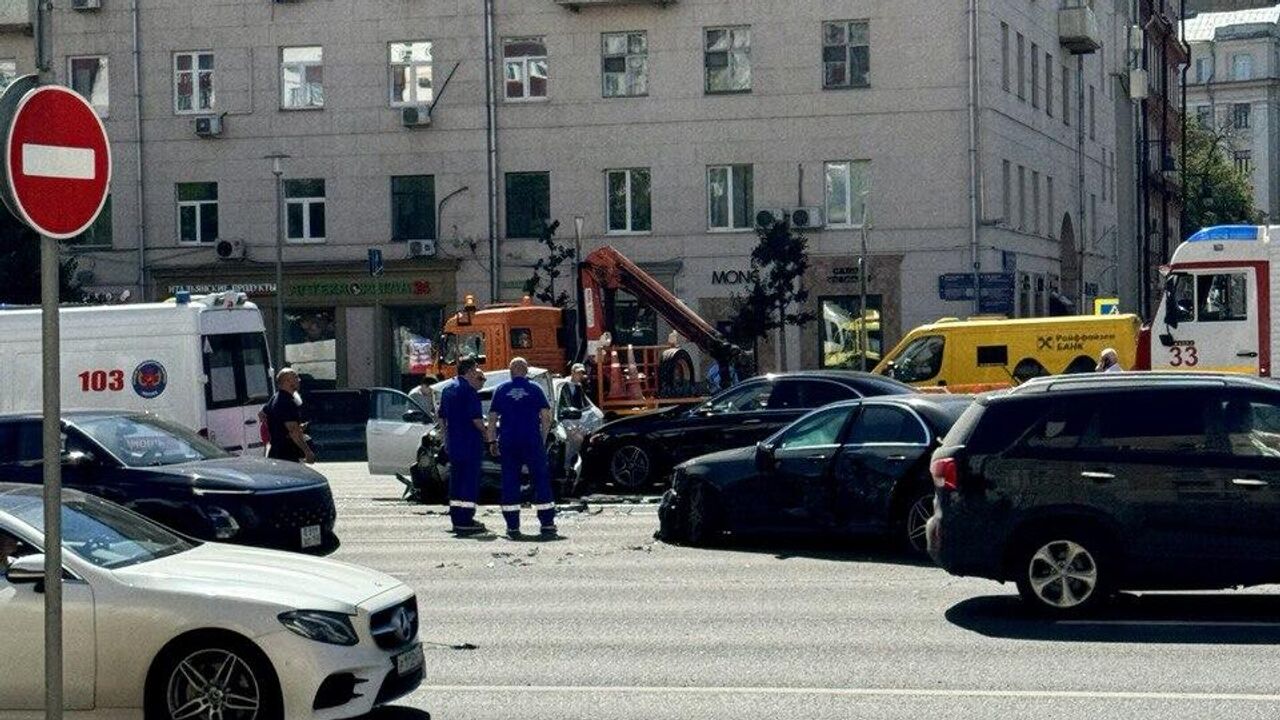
x: 150, y: 379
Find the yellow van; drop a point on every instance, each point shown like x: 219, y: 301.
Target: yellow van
x: 981, y: 354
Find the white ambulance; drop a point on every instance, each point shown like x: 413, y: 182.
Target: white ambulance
x: 200, y: 361
x: 1217, y: 310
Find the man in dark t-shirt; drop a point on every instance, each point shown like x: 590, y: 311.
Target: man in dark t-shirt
x: 284, y: 421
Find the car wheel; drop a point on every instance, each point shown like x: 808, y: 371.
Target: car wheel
x: 912, y: 522
x: 1064, y: 573
x: 213, y: 679
x: 702, y: 525
x: 427, y: 479
x: 631, y: 467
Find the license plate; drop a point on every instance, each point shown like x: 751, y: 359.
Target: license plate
x: 409, y: 661
x: 311, y: 536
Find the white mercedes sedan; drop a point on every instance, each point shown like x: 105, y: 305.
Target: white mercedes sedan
x: 169, y: 628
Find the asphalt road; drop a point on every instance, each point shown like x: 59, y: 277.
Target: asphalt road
x: 608, y: 623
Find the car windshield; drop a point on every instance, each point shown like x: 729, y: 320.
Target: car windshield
x: 145, y: 441
x: 919, y: 361
x: 462, y: 345
x: 106, y: 535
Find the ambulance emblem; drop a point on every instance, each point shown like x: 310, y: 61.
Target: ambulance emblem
x: 149, y: 379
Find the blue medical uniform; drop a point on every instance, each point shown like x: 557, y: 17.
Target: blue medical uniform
x: 519, y: 404
x: 460, y: 406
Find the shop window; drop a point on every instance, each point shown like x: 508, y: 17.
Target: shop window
x: 842, y: 332
x: 414, y: 332
x: 528, y: 203
x: 311, y: 347
x: 413, y: 207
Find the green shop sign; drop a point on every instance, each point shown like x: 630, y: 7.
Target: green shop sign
x: 362, y: 288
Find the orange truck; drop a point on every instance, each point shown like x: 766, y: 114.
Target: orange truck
x: 627, y: 378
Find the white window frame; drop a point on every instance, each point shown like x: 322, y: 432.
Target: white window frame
x: 630, y: 174
x: 306, y: 203
x: 730, y: 193
x: 524, y: 61
x: 302, y: 66
x: 195, y: 72
x: 630, y: 61
x: 851, y: 204
x: 105, y: 65
x: 199, y: 206
x: 395, y: 67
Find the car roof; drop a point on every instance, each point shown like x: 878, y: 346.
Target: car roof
x: 1088, y: 383
x: 15, y: 496
x: 854, y: 378
x: 71, y: 415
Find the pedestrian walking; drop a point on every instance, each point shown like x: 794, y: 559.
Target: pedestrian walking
x: 1109, y: 361
x: 283, y: 416
x: 521, y: 416
x: 462, y: 420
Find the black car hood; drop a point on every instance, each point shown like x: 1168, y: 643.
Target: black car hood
x: 726, y: 466
x: 641, y: 422
x: 244, y: 473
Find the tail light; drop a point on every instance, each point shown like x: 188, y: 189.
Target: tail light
x: 945, y: 472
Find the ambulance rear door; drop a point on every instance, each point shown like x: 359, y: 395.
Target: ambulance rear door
x: 238, y: 383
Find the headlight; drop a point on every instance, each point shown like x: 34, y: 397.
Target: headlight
x: 224, y: 523
x: 321, y: 626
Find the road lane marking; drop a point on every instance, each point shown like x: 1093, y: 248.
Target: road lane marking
x: 54, y: 161
x: 854, y: 692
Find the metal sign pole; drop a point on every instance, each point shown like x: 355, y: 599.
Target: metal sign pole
x: 52, y: 410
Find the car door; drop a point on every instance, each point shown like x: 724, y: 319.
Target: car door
x: 392, y: 434
x: 799, y: 482
x: 1249, y: 467
x: 22, y: 627
x: 886, y: 444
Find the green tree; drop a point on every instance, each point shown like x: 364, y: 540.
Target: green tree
x: 1218, y: 193
x: 778, y: 263
x: 541, y: 285
x: 20, y: 265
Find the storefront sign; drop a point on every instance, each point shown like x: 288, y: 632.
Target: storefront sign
x: 368, y: 288
x: 732, y: 277
x: 847, y: 274
x: 250, y: 289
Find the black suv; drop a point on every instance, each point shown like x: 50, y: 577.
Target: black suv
x: 1077, y: 487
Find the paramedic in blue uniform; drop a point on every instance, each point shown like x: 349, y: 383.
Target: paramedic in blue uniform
x: 525, y: 417
x: 462, y: 420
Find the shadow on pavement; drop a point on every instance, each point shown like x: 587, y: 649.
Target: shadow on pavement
x: 1228, y: 619
x: 393, y: 712
x: 834, y: 548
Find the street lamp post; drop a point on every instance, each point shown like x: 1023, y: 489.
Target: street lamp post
x: 277, y: 169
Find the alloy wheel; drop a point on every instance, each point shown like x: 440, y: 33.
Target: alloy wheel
x: 1063, y: 574
x: 917, y: 523
x: 629, y: 466
x: 213, y: 684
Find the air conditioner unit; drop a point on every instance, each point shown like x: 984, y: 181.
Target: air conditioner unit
x: 416, y: 116
x: 229, y: 249
x: 83, y: 5
x: 422, y: 248
x: 209, y: 126
x: 807, y: 218
x: 768, y: 217
x: 1138, y: 84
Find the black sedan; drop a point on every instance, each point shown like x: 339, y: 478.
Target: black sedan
x: 634, y: 453
x: 852, y: 467
x: 179, y: 479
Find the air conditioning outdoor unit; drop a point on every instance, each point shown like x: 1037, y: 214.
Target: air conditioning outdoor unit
x: 416, y: 116
x: 83, y: 5
x: 229, y: 249
x: 209, y: 126
x: 422, y: 248
x: 768, y: 217
x: 807, y: 218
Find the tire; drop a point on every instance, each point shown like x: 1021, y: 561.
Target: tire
x: 631, y: 466
x: 1028, y: 369
x: 702, y: 522
x: 1064, y: 573
x: 427, y: 479
x: 227, y: 676
x: 675, y: 373
x: 914, y: 511
x: 1081, y: 364
x: 672, y: 521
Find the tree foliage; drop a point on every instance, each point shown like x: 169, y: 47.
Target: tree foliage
x: 20, y: 265
x: 778, y: 262
x: 1218, y: 193
x: 541, y: 285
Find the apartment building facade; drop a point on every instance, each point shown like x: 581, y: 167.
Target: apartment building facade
x: 444, y: 136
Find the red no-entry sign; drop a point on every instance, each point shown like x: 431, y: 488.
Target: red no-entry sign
x: 57, y: 161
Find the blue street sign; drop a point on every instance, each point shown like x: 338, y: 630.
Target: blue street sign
x: 375, y: 262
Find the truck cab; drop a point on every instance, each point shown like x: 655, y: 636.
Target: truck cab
x: 499, y: 333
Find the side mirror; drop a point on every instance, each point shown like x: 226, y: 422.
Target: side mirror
x: 414, y: 416
x: 1166, y: 339
x: 27, y: 570
x: 764, y: 456
x: 571, y: 414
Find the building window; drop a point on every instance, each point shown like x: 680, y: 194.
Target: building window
x: 192, y: 82
x: 1240, y: 115
x: 413, y: 207
x: 730, y: 205
x: 629, y: 203
x: 1203, y: 69
x: 1093, y: 124
x: 1242, y: 66
x: 528, y: 204
x: 8, y: 73
x: 1035, y: 76
x: 89, y: 77
x: 1066, y: 95
x: 301, y: 78
x: 846, y: 54
x: 1022, y: 198
x: 304, y: 210
x: 846, y: 183
x: 99, y: 233
x: 197, y: 212
x: 525, y: 68
x: 1244, y: 161
x: 411, y: 78
x: 1006, y: 192
x: 1048, y: 84
x: 1004, y: 56
x: 1050, y: 219
x: 1035, y: 202
x: 727, y: 59
x: 841, y: 344
x: 625, y: 64
x: 1204, y: 116
x: 1022, y: 67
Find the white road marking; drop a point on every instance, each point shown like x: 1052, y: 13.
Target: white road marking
x: 1172, y: 623
x: 71, y: 163
x: 854, y: 692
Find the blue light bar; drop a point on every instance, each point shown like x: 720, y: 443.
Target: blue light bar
x: 1227, y: 232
